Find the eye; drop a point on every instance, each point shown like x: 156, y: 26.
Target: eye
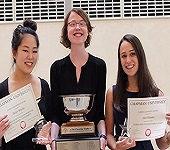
x: 72, y: 24
x: 25, y: 50
x: 82, y: 24
x: 35, y: 51
x: 133, y: 54
x: 123, y: 56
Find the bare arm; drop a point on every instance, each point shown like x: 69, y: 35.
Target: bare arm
x: 102, y: 130
x: 112, y: 144
x: 54, y: 134
x: 110, y: 119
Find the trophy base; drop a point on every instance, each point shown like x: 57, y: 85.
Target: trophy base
x: 78, y: 128
x: 77, y: 143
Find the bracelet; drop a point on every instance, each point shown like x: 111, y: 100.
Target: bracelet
x: 103, y: 136
x: 53, y: 140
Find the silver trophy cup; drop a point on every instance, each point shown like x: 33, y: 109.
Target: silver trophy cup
x: 77, y: 106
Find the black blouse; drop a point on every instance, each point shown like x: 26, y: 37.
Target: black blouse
x: 64, y: 82
x: 24, y: 141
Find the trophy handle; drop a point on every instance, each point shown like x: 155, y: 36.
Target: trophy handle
x: 91, y: 101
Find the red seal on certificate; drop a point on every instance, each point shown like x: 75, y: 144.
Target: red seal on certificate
x: 148, y: 132
x: 22, y: 124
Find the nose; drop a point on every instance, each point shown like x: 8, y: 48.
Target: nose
x: 30, y: 55
x: 128, y: 59
x: 77, y: 26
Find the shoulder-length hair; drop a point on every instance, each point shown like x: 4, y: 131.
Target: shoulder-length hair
x: 146, y: 84
x: 64, y: 35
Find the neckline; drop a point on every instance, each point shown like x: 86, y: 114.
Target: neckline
x: 83, y: 64
x: 131, y: 91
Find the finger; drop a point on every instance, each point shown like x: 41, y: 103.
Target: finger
x: 125, y: 143
x: 3, y: 120
x: 3, y: 117
x: 3, y: 131
x: 102, y: 146
x: 130, y: 144
x: 4, y: 124
x: 53, y: 145
x: 4, y: 127
x: 168, y: 113
x: 43, y: 142
x: 120, y: 144
x: 168, y: 119
x: 167, y: 116
x: 168, y: 122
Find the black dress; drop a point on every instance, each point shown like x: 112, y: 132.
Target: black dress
x: 119, y: 118
x: 24, y: 141
x: 64, y: 82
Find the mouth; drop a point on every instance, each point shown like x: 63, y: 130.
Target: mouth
x: 130, y: 66
x: 29, y: 63
x: 78, y: 34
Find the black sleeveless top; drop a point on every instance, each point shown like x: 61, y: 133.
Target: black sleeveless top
x: 119, y: 118
x: 24, y: 141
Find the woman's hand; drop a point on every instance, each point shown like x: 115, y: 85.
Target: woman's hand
x: 45, y: 134
x: 53, y: 143
x: 4, y: 125
x: 103, y: 143
x: 125, y: 143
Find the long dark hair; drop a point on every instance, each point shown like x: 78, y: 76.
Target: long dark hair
x: 146, y: 84
x: 64, y: 35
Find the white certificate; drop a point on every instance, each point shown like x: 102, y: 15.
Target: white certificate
x: 146, y: 117
x: 22, y: 109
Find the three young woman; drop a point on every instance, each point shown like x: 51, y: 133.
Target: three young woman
x: 80, y: 73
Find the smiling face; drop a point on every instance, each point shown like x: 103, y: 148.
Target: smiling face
x: 77, y: 33
x: 129, y: 60
x: 26, y: 55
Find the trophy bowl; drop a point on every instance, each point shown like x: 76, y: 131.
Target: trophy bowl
x: 78, y: 105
